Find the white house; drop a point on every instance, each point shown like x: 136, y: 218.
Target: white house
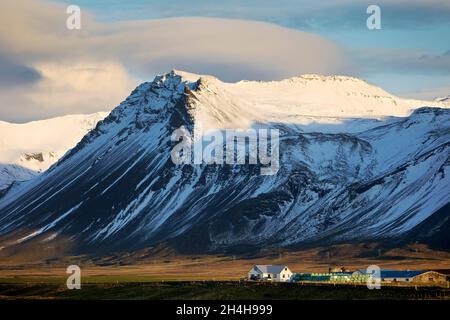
x: 278, y: 273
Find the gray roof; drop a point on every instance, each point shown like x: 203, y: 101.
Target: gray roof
x: 397, y: 273
x: 268, y: 268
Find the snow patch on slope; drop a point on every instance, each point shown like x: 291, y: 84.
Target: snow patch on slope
x: 30, y: 148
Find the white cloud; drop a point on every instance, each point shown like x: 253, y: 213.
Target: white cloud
x: 66, y: 87
x: 93, y: 69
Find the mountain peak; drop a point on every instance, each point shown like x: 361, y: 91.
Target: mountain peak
x: 443, y: 99
x: 217, y: 105
x: 119, y: 189
x: 326, y: 78
x: 186, y: 76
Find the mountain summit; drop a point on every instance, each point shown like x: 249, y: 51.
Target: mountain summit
x: 26, y: 149
x: 356, y: 164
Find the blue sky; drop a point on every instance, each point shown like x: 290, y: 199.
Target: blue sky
x: 47, y: 70
x: 421, y: 27
x: 413, y: 24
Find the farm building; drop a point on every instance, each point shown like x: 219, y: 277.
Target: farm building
x: 298, y: 277
x: 445, y: 272
x: 337, y: 270
x: 430, y: 277
x: 416, y: 276
x: 277, y: 273
x: 331, y: 277
x: 361, y: 276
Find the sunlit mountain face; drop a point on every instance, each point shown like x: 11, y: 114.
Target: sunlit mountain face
x: 355, y: 163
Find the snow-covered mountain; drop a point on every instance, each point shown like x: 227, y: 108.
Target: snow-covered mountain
x: 29, y: 148
x: 443, y: 99
x: 356, y: 164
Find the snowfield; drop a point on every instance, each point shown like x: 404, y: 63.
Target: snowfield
x: 30, y: 148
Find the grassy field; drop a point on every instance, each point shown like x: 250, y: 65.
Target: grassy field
x: 169, y: 275
x: 215, y: 290
x: 145, y: 266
